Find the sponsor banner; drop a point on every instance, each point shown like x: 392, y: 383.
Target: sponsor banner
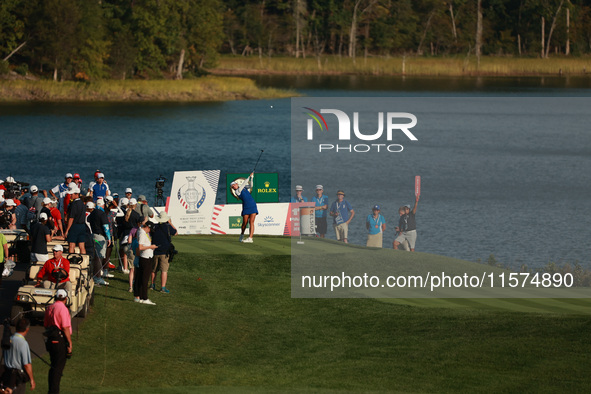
x: 192, y: 200
x: 271, y: 220
x: 265, y: 188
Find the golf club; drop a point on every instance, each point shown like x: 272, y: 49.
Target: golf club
x: 255, y: 166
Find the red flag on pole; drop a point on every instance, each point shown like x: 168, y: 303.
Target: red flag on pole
x: 417, y: 185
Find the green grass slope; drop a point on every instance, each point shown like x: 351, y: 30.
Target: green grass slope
x: 230, y: 325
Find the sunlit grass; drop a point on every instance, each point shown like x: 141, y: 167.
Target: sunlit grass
x: 443, y: 66
x: 211, y: 88
x: 230, y: 325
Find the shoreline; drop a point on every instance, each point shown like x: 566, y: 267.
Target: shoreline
x: 403, y: 66
x: 230, y: 79
x: 207, y: 89
x: 245, y: 72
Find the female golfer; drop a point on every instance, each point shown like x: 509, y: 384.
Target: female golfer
x: 249, y: 206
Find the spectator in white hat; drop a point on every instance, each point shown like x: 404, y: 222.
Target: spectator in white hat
x: 35, y: 201
x: 47, y: 210
x: 128, y: 193
x: 57, y: 220
x: 298, y: 196
x: 321, y: 211
x: 40, y: 236
x: 76, y: 229
x: 58, y: 315
x: 112, y: 210
x: 121, y: 234
x: 7, y: 215
x: 101, y: 235
x: 100, y: 188
x: 60, y: 191
x: 55, y: 268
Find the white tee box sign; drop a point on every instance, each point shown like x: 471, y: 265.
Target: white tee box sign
x: 192, y: 199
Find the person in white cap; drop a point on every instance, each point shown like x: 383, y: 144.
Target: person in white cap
x: 101, y: 235
x: 7, y: 215
x: 128, y: 193
x: 298, y: 197
x: 59, y: 339
x: 55, y: 272
x: 100, y: 188
x: 145, y: 252
x: 112, y: 210
x: 60, y: 191
x: 46, y: 208
x: 40, y: 236
x: 123, y: 235
x: 342, y: 212
x: 76, y: 228
x: 35, y: 201
x: 321, y: 211
x: 131, y: 222
x: 55, y: 218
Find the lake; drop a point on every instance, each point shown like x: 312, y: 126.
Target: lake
x: 525, y: 201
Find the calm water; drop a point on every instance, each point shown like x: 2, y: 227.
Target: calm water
x: 526, y: 202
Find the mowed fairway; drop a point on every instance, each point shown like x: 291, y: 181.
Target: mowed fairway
x: 230, y: 325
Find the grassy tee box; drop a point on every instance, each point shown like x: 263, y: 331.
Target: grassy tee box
x: 230, y: 325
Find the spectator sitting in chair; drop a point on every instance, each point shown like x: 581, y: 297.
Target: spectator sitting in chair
x: 50, y: 272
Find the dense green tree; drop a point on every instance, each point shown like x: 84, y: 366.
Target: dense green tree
x: 89, y: 39
x: 12, y: 27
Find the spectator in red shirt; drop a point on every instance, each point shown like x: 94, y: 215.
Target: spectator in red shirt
x: 58, y: 263
x: 57, y: 219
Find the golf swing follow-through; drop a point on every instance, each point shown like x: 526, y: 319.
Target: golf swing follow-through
x: 249, y: 205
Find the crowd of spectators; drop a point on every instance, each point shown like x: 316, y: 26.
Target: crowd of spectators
x: 96, y: 221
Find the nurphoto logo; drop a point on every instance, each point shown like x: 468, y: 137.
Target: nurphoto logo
x: 394, y: 124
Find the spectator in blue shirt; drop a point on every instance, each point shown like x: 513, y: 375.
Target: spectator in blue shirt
x: 343, y: 213
x: 298, y: 197
x: 100, y: 188
x: 321, y: 209
x: 376, y: 225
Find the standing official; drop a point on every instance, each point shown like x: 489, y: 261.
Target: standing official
x: 320, y: 210
x: 343, y: 213
x: 407, y: 228
x: 59, y: 338
x: 298, y: 196
x: 376, y: 225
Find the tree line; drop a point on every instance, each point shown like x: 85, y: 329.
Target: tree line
x: 90, y: 39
